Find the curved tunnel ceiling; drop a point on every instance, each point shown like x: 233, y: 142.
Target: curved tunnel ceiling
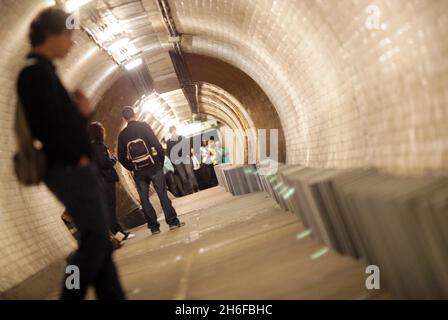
x: 346, y: 94
x: 213, y: 101
x: 321, y: 98
x: 288, y: 48
x: 320, y: 74
x: 213, y: 94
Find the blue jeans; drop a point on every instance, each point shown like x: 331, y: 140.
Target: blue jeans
x: 78, y: 190
x: 142, y: 180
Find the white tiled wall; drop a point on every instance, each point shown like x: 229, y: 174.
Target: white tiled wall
x: 346, y: 95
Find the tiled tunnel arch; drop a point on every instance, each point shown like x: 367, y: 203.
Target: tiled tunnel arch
x: 213, y: 101
x: 326, y: 75
x: 346, y: 96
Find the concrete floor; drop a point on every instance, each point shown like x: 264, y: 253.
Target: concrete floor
x: 243, y: 247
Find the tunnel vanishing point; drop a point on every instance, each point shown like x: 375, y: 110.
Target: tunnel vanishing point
x: 358, y: 91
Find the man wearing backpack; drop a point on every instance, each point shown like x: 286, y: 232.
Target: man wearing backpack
x: 59, y: 122
x: 139, y: 151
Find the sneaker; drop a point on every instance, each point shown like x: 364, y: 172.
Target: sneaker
x: 116, y: 244
x: 120, y: 236
x: 129, y: 236
x: 155, y: 231
x: 176, y: 226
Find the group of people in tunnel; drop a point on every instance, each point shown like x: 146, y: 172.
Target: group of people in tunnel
x: 79, y: 167
x: 189, y: 171
x: 177, y: 171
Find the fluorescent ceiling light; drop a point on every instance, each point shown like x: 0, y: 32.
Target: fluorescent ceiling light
x: 113, y: 24
x: 73, y: 5
x: 131, y: 49
x: 119, y: 44
x: 122, y: 50
x: 134, y: 64
x: 166, y: 119
x: 115, y: 28
x: 124, y: 45
x: 171, y: 122
x: 109, y: 29
x: 150, y: 105
x: 190, y: 129
x: 162, y: 112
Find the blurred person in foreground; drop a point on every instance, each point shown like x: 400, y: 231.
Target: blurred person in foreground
x: 59, y: 121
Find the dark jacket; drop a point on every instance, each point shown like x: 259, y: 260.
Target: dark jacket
x: 53, y: 117
x: 170, y: 144
x: 135, y: 130
x: 104, y: 162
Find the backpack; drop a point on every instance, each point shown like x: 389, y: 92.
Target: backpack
x: 29, y: 161
x: 140, y: 155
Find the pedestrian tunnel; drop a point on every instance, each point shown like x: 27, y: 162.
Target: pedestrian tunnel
x: 356, y: 92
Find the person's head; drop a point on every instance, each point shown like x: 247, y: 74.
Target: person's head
x: 97, y: 132
x: 173, y: 130
x: 128, y: 113
x: 49, y: 32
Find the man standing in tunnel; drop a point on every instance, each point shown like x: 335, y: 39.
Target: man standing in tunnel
x: 60, y: 122
x: 139, y: 151
x: 181, y: 160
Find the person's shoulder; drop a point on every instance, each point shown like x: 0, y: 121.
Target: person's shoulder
x: 122, y: 133
x: 102, y: 145
x: 33, y: 69
x: 34, y: 65
x: 143, y: 124
x: 97, y: 146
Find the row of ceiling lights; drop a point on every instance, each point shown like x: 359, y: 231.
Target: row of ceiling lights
x: 111, y: 36
x: 154, y: 105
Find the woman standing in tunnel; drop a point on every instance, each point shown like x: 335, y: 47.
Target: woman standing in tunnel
x: 108, y: 177
x: 60, y: 122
